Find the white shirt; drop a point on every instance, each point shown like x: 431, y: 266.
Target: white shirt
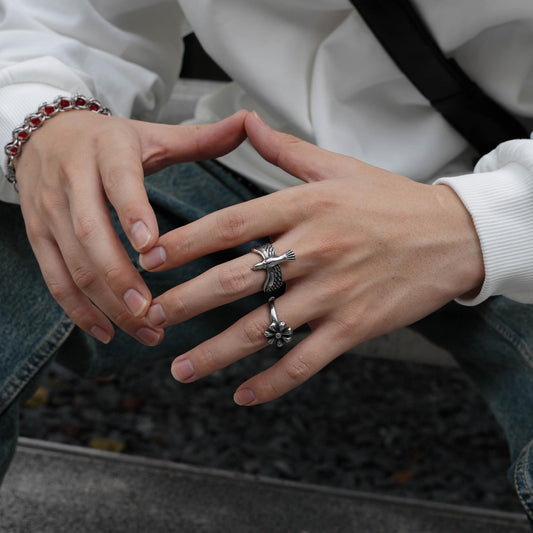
x: 310, y: 67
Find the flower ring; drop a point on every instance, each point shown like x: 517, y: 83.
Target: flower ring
x: 278, y: 332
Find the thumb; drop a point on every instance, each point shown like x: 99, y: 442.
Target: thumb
x: 163, y: 145
x: 297, y: 157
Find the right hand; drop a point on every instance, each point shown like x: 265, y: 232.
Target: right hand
x: 67, y: 173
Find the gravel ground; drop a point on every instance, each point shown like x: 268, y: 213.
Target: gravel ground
x: 375, y: 425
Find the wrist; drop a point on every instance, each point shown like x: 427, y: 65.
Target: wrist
x: 22, y: 133
x: 469, y: 270
x: 499, y: 202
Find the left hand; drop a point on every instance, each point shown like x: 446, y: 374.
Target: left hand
x: 375, y: 251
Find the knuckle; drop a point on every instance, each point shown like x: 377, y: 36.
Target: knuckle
x: 232, y: 281
x: 112, y: 132
x: 266, y: 387
x: 184, y: 241
x: 231, y: 225
x: 84, y: 227
x: 346, y: 327
x: 180, y: 310
x: 81, y: 315
x: 206, y: 360
x: 35, y: 229
x: 83, y: 278
x: 113, y: 179
x: 289, y: 142
x: 323, y: 203
x: 68, y: 168
x: 288, y: 145
x: 114, y: 275
x: 59, y: 291
x: 299, y: 370
x: 254, y: 332
x: 50, y: 204
x: 331, y: 293
x: 271, y: 390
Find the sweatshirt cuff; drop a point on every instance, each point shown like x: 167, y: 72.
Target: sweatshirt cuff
x: 16, y: 102
x: 500, y: 203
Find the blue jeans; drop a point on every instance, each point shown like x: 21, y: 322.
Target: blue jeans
x: 493, y: 342
x: 34, y: 329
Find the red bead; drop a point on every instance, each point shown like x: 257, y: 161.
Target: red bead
x: 80, y: 102
x: 93, y: 106
x: 49, y: 110
x: 64, y: 103
x: 22, y: 135
x: 14, y: 150
x: 35, y: 121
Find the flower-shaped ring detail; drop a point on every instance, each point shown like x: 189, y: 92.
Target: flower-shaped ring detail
x: 278, y: 332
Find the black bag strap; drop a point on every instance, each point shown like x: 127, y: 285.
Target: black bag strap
x: 405, y: 37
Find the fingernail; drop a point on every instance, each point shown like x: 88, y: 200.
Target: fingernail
x: 154, y: 258
x: 135, y: 302
x: 148, y: 336
x: 244, y: 397
x: 182, y: 370
x: 156, y: 315
x: 258, y: 117
x: 101, y: 334
x: 139, y: 235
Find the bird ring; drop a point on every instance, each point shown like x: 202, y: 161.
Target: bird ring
x: 278, y: 332
x: 270, y: 263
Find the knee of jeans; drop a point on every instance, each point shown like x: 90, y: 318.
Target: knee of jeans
x: 521, y: 476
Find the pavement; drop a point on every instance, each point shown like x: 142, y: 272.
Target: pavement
x: 59, y: 488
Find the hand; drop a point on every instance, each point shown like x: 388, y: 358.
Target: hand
x: 67, y: 173
x: 375, y: 251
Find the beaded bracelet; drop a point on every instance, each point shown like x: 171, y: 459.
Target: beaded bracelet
x: 36, y: 120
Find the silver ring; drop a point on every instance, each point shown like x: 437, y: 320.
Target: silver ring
x: 270, y: 263
x: 278, y: 332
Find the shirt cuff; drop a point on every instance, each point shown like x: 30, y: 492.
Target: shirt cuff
x: 499, y: 198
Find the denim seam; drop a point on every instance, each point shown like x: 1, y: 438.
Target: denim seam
x: 509, y: 335
x: 34, y: 364
x: 521, y: 460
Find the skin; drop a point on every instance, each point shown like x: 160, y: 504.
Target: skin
x: 375, y: 251
x: 67, y: 173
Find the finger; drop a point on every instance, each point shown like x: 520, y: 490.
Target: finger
x: 163, y: 145
x: 243, y: 338
x: 86, y: 279
x: 297, y: 157
x: 217, y: 286
x: 75, y: 304
x: 269, y: 215
x: 301, y: 363
x: 120, y: 166
x: 106, y: 260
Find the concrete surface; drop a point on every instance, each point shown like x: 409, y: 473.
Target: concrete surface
x: 57, y: 488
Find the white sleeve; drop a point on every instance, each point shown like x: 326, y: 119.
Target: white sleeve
x: 499, y: 197
x: 127, y: 53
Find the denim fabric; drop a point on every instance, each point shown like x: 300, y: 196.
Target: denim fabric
x: 493, y: 342
x: 34, y: 329
x: 32, y: 326
x: 179, y: 195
